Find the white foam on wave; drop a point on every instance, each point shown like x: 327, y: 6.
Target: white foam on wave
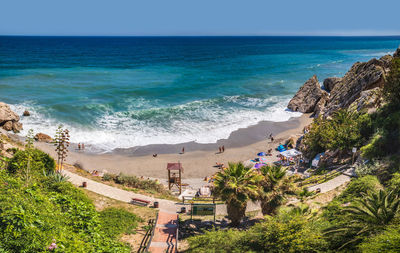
x: 204, y: 123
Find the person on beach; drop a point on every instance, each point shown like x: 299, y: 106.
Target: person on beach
x: 155, y: 155
x: 183, y: 150
x: 271, y: 137
x: 79, y: 146
x: 83, y: 146
x: 223, y: 149
x: 220, y: 149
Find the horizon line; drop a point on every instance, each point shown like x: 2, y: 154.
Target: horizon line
x: 259, y: 35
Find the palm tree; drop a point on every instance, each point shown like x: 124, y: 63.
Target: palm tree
x: 368, y: 215
x: 274, y: 186
x: 236, y: 185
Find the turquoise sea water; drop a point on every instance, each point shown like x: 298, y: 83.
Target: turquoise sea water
x: 128, y: 91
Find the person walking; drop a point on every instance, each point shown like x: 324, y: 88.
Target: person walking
x: 223, y: 149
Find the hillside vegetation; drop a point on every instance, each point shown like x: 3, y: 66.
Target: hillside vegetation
x: 40, y: 211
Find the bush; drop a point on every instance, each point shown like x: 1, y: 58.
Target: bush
x: 294, y: 234
x: 388, y: 241
x: 359, y: 186
x: 39, y: 162
x: 343, y: 131
x: 116, y: 221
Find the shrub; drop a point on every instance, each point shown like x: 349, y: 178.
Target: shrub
x: 358, y: 187
x: 343, y: 131
x: 388, y: 241
x: 117, y: 221
x: 39, y: 161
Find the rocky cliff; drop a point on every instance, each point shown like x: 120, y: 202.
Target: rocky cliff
x: 9, y: 120
x: 358, y: 89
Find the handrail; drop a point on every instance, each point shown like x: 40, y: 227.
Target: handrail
x: 152, y: 233
x: 177, y: 234
x: 146, y: 241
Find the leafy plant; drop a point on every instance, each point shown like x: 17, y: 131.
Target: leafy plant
x: 236, y: 185
x: 275, y: 185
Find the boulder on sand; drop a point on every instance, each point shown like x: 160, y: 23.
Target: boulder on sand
x: 9, y: 119
x: 307, y: 96
x: 43, y: 137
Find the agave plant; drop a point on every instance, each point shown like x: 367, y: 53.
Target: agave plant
x: 368, y: 215
x: 275, y: 185
x: 236, y: 185
x: 57, y: 177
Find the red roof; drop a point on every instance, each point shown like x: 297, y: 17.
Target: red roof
x: 174, y: 166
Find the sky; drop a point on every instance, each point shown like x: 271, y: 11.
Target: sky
x: 199, y: 17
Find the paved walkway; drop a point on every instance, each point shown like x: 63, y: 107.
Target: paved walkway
x: 164, y: 239
x: 331, y: 184
x: 118, y: 194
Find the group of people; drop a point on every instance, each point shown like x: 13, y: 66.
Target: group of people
x: 81, y: 146
x: 221, y: 149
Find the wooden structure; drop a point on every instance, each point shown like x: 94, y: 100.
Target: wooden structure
x: 175, y: 171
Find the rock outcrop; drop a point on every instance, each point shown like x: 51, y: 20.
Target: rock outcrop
x: 330, y: 83
x: 368, y: 101
x: 359, y: 88
x: 307, y: 97
x: 361, y: 77
x: 9, y: 120
x: 43, y: 137
x: 26, y: 113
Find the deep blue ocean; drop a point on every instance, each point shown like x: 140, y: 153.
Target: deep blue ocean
x: 129, y: 91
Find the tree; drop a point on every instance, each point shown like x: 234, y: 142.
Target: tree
x: 367, y: 216
x: 61, y: 141
x: 274, y: 186
x: 236, y: 185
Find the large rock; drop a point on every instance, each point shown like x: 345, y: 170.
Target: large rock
x: 9, y: 119
x: 307, y: 96
x: 6, y: 114
x: 26, y: 113
x: 8, y: 126
x: 362, y: 76
x: 330, y: 83
x: 17, y: 127
x: 43, y: 137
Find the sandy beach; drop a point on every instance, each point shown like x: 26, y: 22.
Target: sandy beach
x: 198, y: 160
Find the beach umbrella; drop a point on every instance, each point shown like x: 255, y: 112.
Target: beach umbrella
x: 261, y: 154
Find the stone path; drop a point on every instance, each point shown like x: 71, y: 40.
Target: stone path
x: 331, y: 184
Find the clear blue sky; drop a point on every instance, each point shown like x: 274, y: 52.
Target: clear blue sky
x: 199, y: 17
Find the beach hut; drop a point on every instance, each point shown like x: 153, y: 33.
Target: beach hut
x: 175, y: 171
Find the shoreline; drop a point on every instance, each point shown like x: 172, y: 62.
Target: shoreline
x: 197, y: 163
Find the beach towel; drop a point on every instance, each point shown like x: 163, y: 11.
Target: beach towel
x: 261, y: 154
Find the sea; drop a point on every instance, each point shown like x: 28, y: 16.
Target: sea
x: 121, y: 92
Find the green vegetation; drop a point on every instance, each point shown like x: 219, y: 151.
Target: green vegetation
x: 236, y: 185
x: 289, y: 232
x: 274, y: 186
x: 343, y: 131
x: 117, y: 221
x: 48, y: 213
x: 148, y: 185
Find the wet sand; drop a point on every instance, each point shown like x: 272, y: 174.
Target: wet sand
x: 198, y: 160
